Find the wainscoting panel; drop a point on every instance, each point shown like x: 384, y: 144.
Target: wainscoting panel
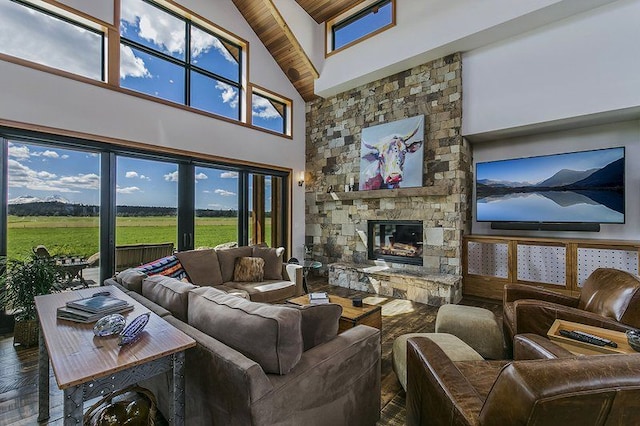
x: 590, y: 259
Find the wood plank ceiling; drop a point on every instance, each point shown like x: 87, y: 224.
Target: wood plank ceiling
x: 275, y: 34
x: 323, y: 10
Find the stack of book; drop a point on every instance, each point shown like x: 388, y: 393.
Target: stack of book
x: 91, y: 309
x: 318, y: 298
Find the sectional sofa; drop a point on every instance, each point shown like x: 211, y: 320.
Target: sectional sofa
x: 257, y: 363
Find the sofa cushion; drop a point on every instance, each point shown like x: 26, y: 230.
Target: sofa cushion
x: 169, y: 293
x: 319, y: 323
x: 201, y: 266
x: 227, y: 260
x: 268, y: 334
x: 250, y: 269
x: 266, y: 291
x: 272, y: 261
x: 131, y: 279
x: 169, y: 266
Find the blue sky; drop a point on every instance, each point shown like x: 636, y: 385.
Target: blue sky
x: 42, y: 171
x: 537, y: 169
x: 363, y: 26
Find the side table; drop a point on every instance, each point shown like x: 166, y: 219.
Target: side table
x: 307, y: 266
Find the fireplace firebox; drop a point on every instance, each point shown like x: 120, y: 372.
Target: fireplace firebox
x: 397, y: 241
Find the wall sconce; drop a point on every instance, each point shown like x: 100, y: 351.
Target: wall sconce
x: 301, y: 179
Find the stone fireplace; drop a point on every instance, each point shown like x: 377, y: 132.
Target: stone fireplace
x: 338, y: 222
x: 397, y: 241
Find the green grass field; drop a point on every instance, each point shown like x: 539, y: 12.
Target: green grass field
x: 79, y: 236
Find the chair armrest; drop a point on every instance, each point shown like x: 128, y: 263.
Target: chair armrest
x: 535, y: 316
x: 437, y: 392
x: 532, y: 346
x: 293, y: 273
x: 513, y: 292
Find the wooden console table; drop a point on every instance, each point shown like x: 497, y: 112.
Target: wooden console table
x: 86, y: 366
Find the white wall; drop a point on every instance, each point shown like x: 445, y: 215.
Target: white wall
x: 625, y: 134
x: 428, y: 30
x: 586, y: 64
x: 40, y: 98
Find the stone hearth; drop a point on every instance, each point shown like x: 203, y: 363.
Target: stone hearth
x: 432, y: 289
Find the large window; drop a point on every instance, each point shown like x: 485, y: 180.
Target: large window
x: 47, y: 38
x: 165, y: 55
x: 367, y: 19
x: 53, y: 200
x: 81, y: 198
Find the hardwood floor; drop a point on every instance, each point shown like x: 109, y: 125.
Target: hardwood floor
x: 19, y: 366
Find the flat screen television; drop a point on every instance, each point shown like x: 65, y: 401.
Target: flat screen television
x: 576, y: 187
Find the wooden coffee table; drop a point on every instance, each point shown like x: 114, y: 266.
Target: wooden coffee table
x: 370, y: 315
x: 87, y: 366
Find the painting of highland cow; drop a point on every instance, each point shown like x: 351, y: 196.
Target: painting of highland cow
x: 391, y: 155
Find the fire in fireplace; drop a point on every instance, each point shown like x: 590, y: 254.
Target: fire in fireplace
x: 395, y: 240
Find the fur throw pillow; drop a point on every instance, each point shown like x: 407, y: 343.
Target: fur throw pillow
x: 249, y: 269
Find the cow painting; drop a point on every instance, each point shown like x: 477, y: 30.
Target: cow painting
x: 390, y: 157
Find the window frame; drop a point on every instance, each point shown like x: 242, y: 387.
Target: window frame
x: 352, y: 15
x: 287, y: 118
x: 187, y: 64
x: 73, y: 18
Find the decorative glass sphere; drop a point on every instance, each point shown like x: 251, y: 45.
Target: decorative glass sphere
x: 109, y: 325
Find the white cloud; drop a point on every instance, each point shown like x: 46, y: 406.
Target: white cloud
x: 21, y: 176
x: 202, y: 42
x: 49, y: 154
x: 127, y: 190
x: 201, y: 176
x: 143, y: 177
x: 131, y: 65
x: 229, y: 175
x: 224, y: 193
x: 229, y: 94
x: 261, y: 107
x: 40, y: 38
x: 171, y: 177
x: 21, y: 152
x: 131, y: 175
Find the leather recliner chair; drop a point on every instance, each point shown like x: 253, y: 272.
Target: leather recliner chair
x: 555, y: 388
x: 610, y: 298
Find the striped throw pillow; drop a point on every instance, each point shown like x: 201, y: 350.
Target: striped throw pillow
x: 168, y: 266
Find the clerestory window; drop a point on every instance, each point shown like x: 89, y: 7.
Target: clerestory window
x: 53, y: 38
x: 269, y: 111
x: 359, y: 23
x: 168, y: 56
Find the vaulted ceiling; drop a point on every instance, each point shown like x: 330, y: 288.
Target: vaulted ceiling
x: 275, y: 34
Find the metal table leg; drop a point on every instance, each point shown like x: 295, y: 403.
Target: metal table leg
x: 73, y: 404
x: 177, y: 397
x: 43, y: 379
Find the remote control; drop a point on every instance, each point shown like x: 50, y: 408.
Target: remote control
x: 607, y: 342
x: 579, y: 337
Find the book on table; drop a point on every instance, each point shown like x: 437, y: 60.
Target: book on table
x: 97, y: 304
x: 79, y: 315
x: 318, y: 298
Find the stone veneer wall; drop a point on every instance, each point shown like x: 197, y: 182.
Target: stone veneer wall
x: 334, y: 126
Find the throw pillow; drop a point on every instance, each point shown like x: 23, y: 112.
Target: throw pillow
x: 168, y: 266
x: 201, y: 266
x: 169, y: 293
x: 320, y: 323
x: 227, y: 259
x: 272, y: 261
x: 249, y: 269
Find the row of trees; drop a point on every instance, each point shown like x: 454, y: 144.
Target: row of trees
x: 82, y: 210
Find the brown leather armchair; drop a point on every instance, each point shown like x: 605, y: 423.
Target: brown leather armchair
x: 556, y: 388
x: 610, y: 298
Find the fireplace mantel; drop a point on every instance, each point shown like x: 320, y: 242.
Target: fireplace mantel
x: 424, y: 191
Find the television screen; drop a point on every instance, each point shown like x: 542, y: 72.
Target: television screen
x: 577, y: 187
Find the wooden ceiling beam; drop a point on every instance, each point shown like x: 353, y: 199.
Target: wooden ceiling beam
x: 323, y: 10
x: 266, y: 21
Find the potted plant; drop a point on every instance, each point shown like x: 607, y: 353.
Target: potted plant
x: 20, y: 283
